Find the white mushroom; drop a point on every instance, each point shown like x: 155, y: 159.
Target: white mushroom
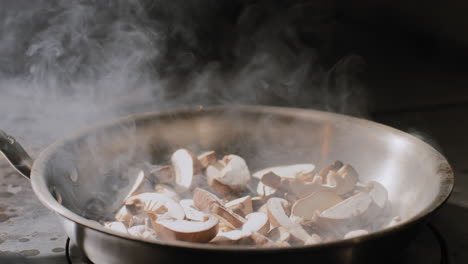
x: 232, y: 218
x: 204, y: 200
x: 353, y: 206
x: 191, y: 212
x: 264, y: 190
x: 116, y: 226
x: 241, y: 206
x: 141, y: 185
x: 313, y: 240
x: 187, y: 169
x: 257, y: 222
x: 162, y: 174
x: 142, y: 231
x: 155, y: 205
x: 184, y: 230
x: 232, y: 237
x: 343, y: 180
x: 278, y: 217
x: 317, y: 201
x: 207, y: 158
x: 356, y: 233
x: 234, y: 175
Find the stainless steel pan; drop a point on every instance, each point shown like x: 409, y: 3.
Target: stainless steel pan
x: 82, y: 178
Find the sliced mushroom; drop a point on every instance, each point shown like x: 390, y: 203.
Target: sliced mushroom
x: 162, y: 174
x: 204, y: 200
x: 356, y: 233
x: 166, y: 190
x: 302, y: 189
x: 232, y: 237
x: 232, y: 177
x: 279, y: 234
x: 378, y: 193
x: 278, y: 217
x: 348, y: 214
x: 141, y: 185
x: 241, y: 206
x: 156, y: 205
x: 264, y: 190
x: 187, y: 169
x: 191, y: 212
x: 342, y: 181
x: 234, y: 219
x: 288, y: 171
x: 184, y: 230
x: 116, y: 226
x: 317, y: 201
x: 333, y: 167
x: 257, y: 222
x: 207, y: 158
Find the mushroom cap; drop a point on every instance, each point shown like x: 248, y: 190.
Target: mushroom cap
x: 207, y: 158
x: 184, y: 230
x: 287, y: 171
x: 187, y: 168
x: 317, y: 201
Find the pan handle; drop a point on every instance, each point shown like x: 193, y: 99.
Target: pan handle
x: 15, y: 154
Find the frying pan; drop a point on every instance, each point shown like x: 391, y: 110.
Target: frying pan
x: 83, y: 177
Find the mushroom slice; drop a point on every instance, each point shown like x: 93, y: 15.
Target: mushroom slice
x: 232, y: 218
x: 187, y: 168
x: 278, y: 217
x: 353, y: 206
x: 356, y: 233
x: 241, y: 206
x: 166, y: 190
x: 313, y: 240
x: 141, y: 185
x: 264, y: 190
x: 378, y: 193
x: 352, y: 213
x: 257, y: 222
x: 342, y: 181
x: 204, y: 200
x: 156, y: 205
x: 302, y: 189
x: 279, y: 234
x: 288, y: 171
x: 162, y: 174
x: 317, y: 201
x: 116, y: 226
x: 184, y: 230
x: 234, y: 175
x: 191, y: 212
x: 232, y: 237
x: 333, y: 167
x: 207, y: 158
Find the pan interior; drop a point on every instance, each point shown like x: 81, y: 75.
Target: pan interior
x: 92, y: 172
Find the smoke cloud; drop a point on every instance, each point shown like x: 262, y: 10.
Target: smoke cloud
x: 67, y: 64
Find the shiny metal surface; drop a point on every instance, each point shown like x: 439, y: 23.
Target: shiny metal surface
x: 88, y: 174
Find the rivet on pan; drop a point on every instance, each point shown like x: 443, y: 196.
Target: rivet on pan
x: 74, y: 175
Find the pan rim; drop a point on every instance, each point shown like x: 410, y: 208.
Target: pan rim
x: 41, y: 190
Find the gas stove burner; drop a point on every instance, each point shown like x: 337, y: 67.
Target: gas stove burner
x: 428, y: 247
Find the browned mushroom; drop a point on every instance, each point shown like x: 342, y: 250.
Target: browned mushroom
x: 184, y: 230
x: 241, y: 206
x: 343, y: 180
x: 207, y: 158
x: 155, y: 204
x: 162, y: 174
x: 230, y: 175
x: 191, y: 212
x: 204, y: 200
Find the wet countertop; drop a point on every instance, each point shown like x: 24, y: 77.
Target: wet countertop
x: 30, y: 233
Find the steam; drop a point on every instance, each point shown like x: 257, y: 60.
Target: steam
x: 67, y: 64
